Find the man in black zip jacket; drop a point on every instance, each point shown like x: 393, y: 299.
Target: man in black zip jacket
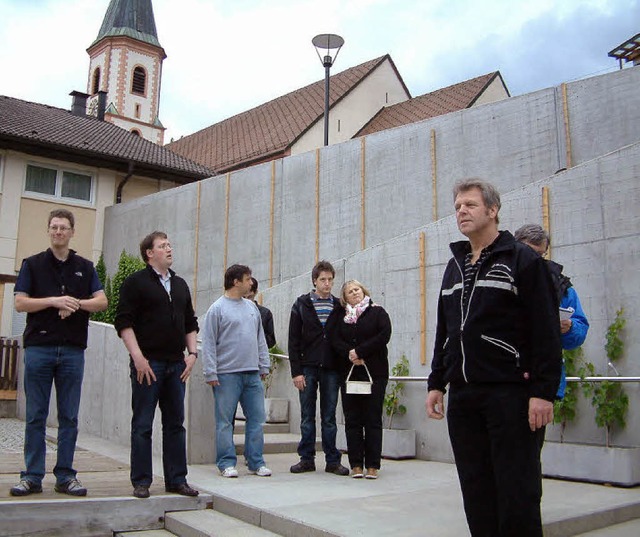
x: 498, y: 348
x: 58, y: 290
x: 314, y: 368
x: 156, y: 321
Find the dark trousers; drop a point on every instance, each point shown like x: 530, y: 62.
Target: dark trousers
x: 327, y: 382
x: 167, y: 391
x: 497, y: 458
x: 363, y: 425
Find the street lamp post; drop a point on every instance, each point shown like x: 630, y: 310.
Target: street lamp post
x: 327, y: 43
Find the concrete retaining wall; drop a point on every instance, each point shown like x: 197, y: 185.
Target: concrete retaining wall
x: 594, y: 227
x: 265, y: 217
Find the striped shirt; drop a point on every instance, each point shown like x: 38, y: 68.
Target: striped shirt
x: 323, y: 307
x: 470, y: 272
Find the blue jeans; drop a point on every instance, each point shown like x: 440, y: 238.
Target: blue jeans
x: 244, y: 388
x: 329, y: 383
x: 43, y: 366
x: 167, y: 391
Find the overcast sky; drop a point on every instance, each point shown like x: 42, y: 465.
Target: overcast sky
x: 226, y: 56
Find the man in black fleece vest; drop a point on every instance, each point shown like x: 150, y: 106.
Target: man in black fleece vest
x: 57, y: 289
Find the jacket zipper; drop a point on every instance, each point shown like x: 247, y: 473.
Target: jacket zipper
x: 463, y: 316
x: 503, y: 345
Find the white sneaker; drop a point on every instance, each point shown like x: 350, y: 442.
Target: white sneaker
x: 229, y: 472
x: 263, y: 471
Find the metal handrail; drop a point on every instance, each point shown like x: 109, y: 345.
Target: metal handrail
x: 569, y: 379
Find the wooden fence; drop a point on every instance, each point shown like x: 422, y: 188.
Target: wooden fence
x: 8, y: 368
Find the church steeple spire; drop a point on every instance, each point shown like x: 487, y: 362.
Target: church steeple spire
x: 133, y: 18
x: 126, y: 62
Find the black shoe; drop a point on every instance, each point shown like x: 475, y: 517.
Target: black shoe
x: 183, y: 488
x: 24, y: 488
x: 303, y: 466
x: 141, y: 491
x: 336, y: 468
x: 72, y: 487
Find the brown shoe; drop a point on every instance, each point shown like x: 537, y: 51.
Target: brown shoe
x: 372, y: 473
x: 183, y: 489
x: 336, y: 468
x: 141, y: 491
x: 356, y: 472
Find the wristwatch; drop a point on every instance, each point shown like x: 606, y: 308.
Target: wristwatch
x: 193, y: 354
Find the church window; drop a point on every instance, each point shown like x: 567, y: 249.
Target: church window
x: 135, y: 132
x: 137, y: 111
x: 95, y: 87
x: 139, y: 83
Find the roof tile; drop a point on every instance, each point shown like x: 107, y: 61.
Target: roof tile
x: 48, y: 126
x: 436, y: 103
x: 269, y: 128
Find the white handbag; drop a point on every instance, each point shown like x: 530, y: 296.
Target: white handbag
x: 359, y: 387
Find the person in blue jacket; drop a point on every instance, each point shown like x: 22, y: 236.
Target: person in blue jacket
x: 573, y: 330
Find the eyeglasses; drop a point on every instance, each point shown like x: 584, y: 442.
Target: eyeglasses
x: 164, y: 246
x: 59, y: 228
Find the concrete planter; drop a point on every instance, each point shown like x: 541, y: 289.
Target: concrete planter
x: 276, y: 410
x: 593, y: 464
x: 399, y: 443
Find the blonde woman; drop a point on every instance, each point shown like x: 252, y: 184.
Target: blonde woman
x: 361, y: 338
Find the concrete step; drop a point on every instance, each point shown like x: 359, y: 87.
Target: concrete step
x: 207, y: 523
x: 269, y: 428
x: 145, y: 533
x: 626, y: 529
x: 91, y: 517
x: 275, y: 443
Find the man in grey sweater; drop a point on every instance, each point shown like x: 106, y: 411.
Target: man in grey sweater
x: 235, y: 358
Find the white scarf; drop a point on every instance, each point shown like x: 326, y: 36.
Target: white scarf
x: 353, y: 312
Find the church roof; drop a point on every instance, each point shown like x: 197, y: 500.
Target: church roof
x: 439, y: 102
x: 43, y: 130
x: 272, y: 128
x: 130, y: 18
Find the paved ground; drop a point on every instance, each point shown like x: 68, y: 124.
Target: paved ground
x: 411, y: 498
x: 12, y: 436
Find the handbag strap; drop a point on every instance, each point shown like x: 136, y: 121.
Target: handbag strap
x: 366, y: 369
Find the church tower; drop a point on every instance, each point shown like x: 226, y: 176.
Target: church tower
x: 126, y: 63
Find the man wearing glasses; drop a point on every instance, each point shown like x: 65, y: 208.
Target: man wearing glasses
x: 57, y: 289
x: 156, y: 322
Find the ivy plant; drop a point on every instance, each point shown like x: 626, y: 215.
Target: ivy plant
x: 609, y: 398
x: 392, y: 404
x: 564, y: 410
x: 275, y: 362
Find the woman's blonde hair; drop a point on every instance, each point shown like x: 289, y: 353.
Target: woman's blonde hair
x: 343, y: 299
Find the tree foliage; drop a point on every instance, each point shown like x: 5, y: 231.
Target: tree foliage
x: 127, y: 265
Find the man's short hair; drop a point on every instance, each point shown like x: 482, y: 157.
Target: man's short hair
x: 147, y: 243
x: 62, y: 213
x: 321, y: 266
x: 254, y: 285
x: 490, y: 194
x: 533, y: 234
x: 234, y: 272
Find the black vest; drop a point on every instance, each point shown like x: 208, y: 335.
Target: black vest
x: 52, y: 277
